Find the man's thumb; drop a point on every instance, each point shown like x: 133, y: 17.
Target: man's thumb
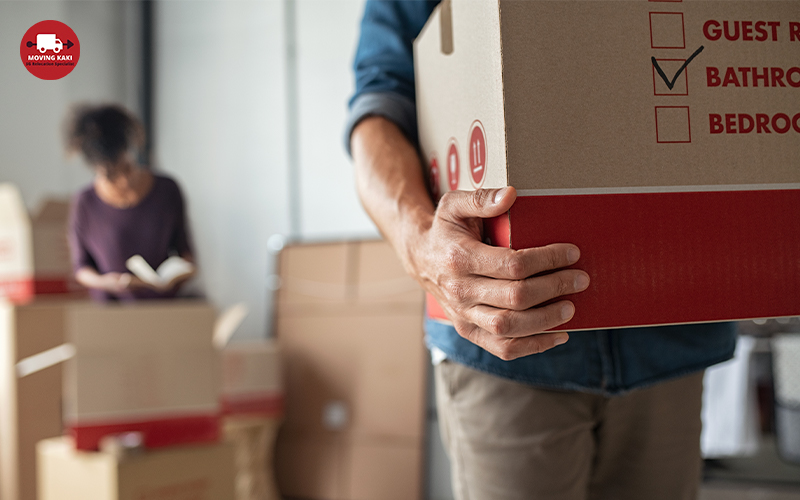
x: 481, y: 203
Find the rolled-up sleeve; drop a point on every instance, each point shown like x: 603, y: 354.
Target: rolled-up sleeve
x: 384, y: 64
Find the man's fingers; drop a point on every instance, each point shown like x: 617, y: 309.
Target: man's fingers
x: 523, y: 294
x: 508, y: 349
x: 508, y: 264
x: 513, y: 324
x: 456, y: 206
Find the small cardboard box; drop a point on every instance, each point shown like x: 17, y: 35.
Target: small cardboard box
x: 356, y: 366
x: 30, y: 407
x: 149, y: 367
x: 661, y: 137
x: 199, y: 472
x: 51, y: 263
x: 34, y: 254
x: 252, y: 379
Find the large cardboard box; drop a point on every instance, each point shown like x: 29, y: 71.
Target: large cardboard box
x: 148, y: 367
x: 661, y: 137
x: 199, y: 472
x: 30, y: 407
x: 34, y: 254
x: 350, y: 327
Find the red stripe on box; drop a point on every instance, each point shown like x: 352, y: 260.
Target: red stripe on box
x: 157, y: 432
x: 47, y: 286
x: 665, y: 258
x: 17, y: 291
x: 267, y: 404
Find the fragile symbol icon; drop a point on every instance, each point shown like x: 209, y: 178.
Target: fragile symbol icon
x: 477, y: 153
x: 452, y: 166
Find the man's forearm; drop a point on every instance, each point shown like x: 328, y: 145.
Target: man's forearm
x: 391, y: 184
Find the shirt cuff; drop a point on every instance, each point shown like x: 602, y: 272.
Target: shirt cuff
x: 394, y: 107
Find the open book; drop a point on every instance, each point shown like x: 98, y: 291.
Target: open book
x: 168, y: 274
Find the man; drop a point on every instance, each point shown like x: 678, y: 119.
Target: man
x: 525, y: 412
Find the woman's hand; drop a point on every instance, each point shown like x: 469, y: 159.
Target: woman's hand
x: 109, y: 282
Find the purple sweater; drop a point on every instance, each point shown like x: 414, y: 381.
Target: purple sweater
x: 104, y: 237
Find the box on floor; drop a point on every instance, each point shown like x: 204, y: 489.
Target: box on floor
x: 30, y: 407
x: 196, y: 472
x: 252, y: 405
x: 350, y: 325
x: 661, y: 137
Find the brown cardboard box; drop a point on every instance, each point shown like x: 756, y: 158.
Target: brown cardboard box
x: 16, y: 250
x: 149, y: 367
x: 30, y: 407
x: 355, y: 374
x: 680, y: 189
x: 199, y: 472
x: 252, y: 378
x: 51, y: 261
x: 34, y: 255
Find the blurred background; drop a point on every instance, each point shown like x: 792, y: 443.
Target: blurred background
x: 244, y: 103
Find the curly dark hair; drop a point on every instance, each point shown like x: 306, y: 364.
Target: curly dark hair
x: 103, y: 133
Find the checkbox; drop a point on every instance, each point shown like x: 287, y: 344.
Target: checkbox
x: 670, y: 67
x: 666, y: 30
x: 673, y: 124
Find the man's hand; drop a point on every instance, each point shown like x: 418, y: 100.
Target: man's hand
x: 492, y: 295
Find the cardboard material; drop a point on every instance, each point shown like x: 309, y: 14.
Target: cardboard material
x: 34, y: 255
x: 254, y: 439
x: 149, y: 367
x: 252, y: 379
x: 630, y: 129
x: 334, y: 467
x: 30, y: 407
x: 200, y: 472
x: 355, y: 374
x: 16, y: 247
x: 51, y: 262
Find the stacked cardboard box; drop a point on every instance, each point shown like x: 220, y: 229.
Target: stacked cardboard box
x: 252, y: 379
x: 30, y: 407
x: 34, y: 255
x: 149, y: 368
x: 252, y: 408
x: 350, y: 325
x: 659, y: 136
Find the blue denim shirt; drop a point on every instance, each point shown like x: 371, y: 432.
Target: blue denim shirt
x: 603, y: 361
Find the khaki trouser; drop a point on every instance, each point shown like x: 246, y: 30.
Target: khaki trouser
x: 510, y: 441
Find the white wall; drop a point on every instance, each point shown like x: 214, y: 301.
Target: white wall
x: 32, y: 110
x: 327, y: 33
x: 219, y: 130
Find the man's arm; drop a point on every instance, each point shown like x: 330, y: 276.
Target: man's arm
x: 489, y: 293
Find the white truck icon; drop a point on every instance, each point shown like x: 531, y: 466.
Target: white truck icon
x: 45, y: 42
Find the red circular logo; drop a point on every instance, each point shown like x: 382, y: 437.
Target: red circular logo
x: 50, y: 50
x: 434, y: 173
x: 452, y: 165
x: 477, y: 153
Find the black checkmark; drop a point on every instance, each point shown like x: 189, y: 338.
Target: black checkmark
x: 669, y: 83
